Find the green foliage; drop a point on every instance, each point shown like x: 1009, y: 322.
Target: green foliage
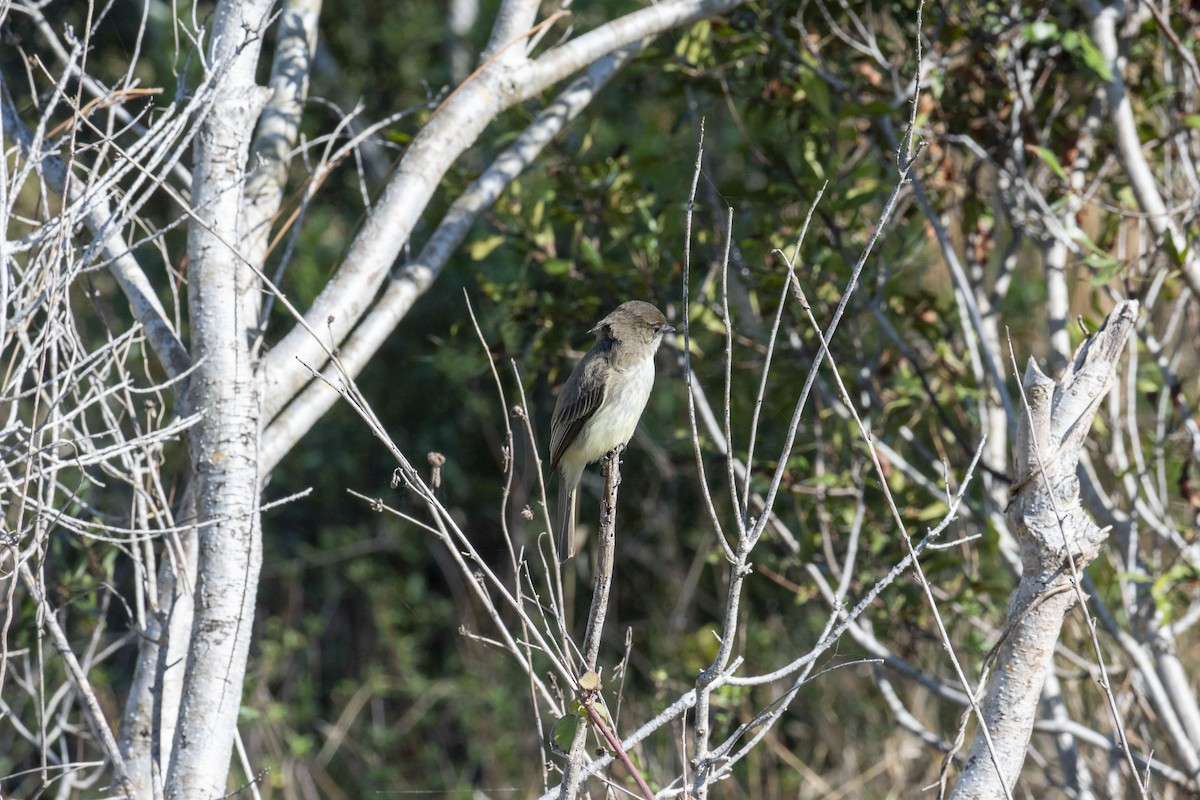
x: 361, y: 679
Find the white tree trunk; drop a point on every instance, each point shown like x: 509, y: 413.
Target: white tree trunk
x: 223, y: 299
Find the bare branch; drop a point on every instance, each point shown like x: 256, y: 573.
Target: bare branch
x: 345, y: 299
x: 413, y: 280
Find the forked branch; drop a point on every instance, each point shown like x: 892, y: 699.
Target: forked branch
x: 1058, y: 539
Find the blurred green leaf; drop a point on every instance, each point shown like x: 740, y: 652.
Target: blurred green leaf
x: 1051, y: 161
x: 482, y: 248
x: 556, y: 266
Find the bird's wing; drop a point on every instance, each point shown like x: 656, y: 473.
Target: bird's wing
x: 586, y: 387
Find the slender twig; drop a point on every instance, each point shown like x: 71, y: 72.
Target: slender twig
x: 589, y: 705
x: 606, y: 553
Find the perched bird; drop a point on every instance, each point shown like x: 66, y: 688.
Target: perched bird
x: 600, y: 404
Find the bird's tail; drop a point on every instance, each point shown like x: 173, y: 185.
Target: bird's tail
x: 566, y: 519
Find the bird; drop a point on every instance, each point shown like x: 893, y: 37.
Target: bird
x: 600, y: 404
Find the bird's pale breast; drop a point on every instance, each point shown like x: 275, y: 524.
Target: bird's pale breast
x: 617, y: 417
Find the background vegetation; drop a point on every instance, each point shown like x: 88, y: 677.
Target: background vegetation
x: 371, y: 673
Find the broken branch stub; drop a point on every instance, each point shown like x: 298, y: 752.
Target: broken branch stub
x: 1050, y: 435
x: 1054, y: 531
